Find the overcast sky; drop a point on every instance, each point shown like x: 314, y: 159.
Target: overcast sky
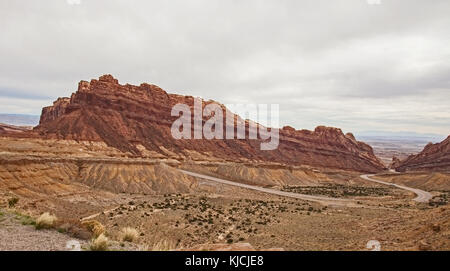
x: 343, y: 63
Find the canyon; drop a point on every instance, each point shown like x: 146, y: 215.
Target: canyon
x: 106, y: 153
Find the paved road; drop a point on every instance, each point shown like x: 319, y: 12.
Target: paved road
x: 422, y: 196
x: 321, y: 199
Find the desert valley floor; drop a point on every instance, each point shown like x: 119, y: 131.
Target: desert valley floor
x: 89, y: 183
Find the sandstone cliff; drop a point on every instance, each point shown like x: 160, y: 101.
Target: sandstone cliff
x: 137, y: 119
x: 434, y: 157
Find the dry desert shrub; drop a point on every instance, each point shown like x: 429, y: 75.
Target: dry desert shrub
x: 45, y: 221
x: 12, y: 202
x: 95, y: 227
x: 100, y: 243
x: 129, y: 234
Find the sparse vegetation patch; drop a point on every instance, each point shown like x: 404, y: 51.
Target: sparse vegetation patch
x: 338, y: 190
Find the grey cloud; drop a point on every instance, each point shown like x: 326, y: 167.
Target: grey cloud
x: 320, y: 60
x: 22, y: 94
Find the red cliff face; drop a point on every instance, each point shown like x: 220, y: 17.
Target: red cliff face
x: 434, y: 157
x: 53, y: 112
x: 125, y: 116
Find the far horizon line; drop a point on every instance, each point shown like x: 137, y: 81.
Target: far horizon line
x: 356, y: 133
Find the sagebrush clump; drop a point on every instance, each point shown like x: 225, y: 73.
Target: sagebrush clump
x: 12, y: 202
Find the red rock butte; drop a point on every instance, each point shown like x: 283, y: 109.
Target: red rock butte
x: 134, y: 118
x: 434, y: 157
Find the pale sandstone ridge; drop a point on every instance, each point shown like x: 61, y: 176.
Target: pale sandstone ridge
x: 137, y: 119
x: 6, y: 128
x: 31, y: 179
x: 434, y: 157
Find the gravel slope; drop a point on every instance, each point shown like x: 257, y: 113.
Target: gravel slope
x: 17, y: 237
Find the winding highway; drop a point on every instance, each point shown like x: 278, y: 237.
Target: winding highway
x: 422, y: 196
x: 321, y: 199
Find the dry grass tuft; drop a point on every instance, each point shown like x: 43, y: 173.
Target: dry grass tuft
x: 45, y: 221
x: 164, y: 245
x: 129, y: 234
x: 100, y: 243
x: 95, y: 227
